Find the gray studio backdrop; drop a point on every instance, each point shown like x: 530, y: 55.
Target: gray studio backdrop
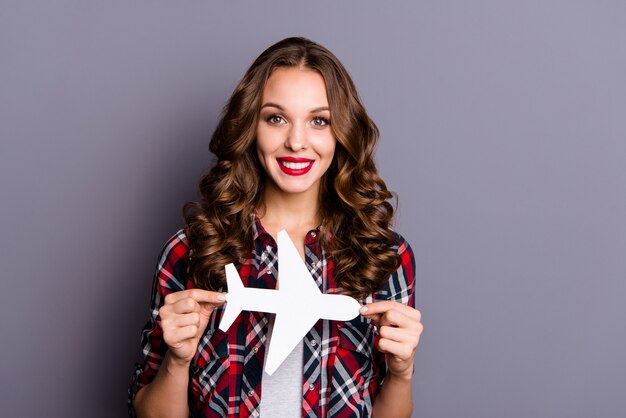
x: 503, y: 132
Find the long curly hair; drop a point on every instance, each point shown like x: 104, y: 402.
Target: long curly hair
x: 356, y: 214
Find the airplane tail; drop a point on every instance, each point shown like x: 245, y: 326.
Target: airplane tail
x: 235, y: 286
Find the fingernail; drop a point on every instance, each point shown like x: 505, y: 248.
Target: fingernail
x: 222, y: 297
x: 363, y: 309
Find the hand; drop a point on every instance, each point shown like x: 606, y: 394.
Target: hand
x: 399, y: 328
x: 184, y: 317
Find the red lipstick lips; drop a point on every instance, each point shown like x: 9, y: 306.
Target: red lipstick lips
x: 295, y: 166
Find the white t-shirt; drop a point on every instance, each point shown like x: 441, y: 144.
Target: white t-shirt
x: 281, y: 393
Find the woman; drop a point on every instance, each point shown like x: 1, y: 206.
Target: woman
x: 294, y: 151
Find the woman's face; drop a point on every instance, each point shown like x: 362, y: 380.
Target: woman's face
x: 295, y: 142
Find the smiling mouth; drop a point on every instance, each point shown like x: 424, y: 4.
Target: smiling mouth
x: 295, y: 166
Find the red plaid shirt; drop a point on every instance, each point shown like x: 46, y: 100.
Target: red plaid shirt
x: 342, y: 368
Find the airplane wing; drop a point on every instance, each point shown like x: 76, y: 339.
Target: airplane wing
x: 233, y: 307
x: 289, y: 329
x: 293, y: 275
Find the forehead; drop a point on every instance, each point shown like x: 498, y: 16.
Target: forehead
x: 295, y: 85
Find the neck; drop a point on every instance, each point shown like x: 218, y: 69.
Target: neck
x: 290, y: 211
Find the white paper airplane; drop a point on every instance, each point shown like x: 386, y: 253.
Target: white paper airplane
x: 298, y: 303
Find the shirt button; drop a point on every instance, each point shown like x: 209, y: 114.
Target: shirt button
x: 311, y: 387
x: 250, y: 392
x: 313, y: 234
x: 255, y: 350
x: 313, y: 343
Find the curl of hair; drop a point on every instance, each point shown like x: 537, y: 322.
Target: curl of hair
x: 356, y: 212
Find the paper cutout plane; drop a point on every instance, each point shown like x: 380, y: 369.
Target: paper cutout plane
x: 298, y: 303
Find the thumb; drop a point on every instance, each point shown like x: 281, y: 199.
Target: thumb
x: 206, y: 309
x: 207, y: 301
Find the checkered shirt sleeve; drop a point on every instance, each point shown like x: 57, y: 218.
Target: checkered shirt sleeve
x: 170, y: 271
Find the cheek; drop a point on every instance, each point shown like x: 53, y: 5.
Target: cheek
x: 261, y: 156
x: 325, y: 145
x: 268, y: 140
x: 262, y: 143
x: 330, y: 148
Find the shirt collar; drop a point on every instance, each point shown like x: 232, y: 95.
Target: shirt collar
x: 257, y: 228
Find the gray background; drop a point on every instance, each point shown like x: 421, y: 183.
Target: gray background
x: 503, y: 132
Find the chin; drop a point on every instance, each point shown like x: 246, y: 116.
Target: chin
x: 295, y: 188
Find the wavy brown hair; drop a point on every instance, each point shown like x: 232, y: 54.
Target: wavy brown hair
x: 356, y: 214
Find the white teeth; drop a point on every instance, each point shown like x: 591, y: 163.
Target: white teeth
x: 296, y: 166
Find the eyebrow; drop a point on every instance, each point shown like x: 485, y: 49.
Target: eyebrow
x: 279, y: 107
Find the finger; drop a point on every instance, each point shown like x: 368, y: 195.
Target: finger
x: 184, y: 320
x: 394, y: 313
x: 400, y: 350
x: 184, y: 306
x: 374, y: 311
x: 199, y: 295
x: 384, y: 306
x: 207, y: 308
x: 177, y: 336
x: 396, y: 318
x: 400, y: 335
x: 414, y: 313
x: 376, y: 308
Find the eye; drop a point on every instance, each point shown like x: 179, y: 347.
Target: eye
x: 320, y: 121
x: 275, y: 119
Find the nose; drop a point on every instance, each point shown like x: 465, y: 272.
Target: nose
x: 297, y: 137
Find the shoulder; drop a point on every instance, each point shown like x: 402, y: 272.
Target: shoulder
x: 176, y: 247
x: 400, y: 284
x: 173, y: 263
x: 407, y: 258
x: 404, y: 250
